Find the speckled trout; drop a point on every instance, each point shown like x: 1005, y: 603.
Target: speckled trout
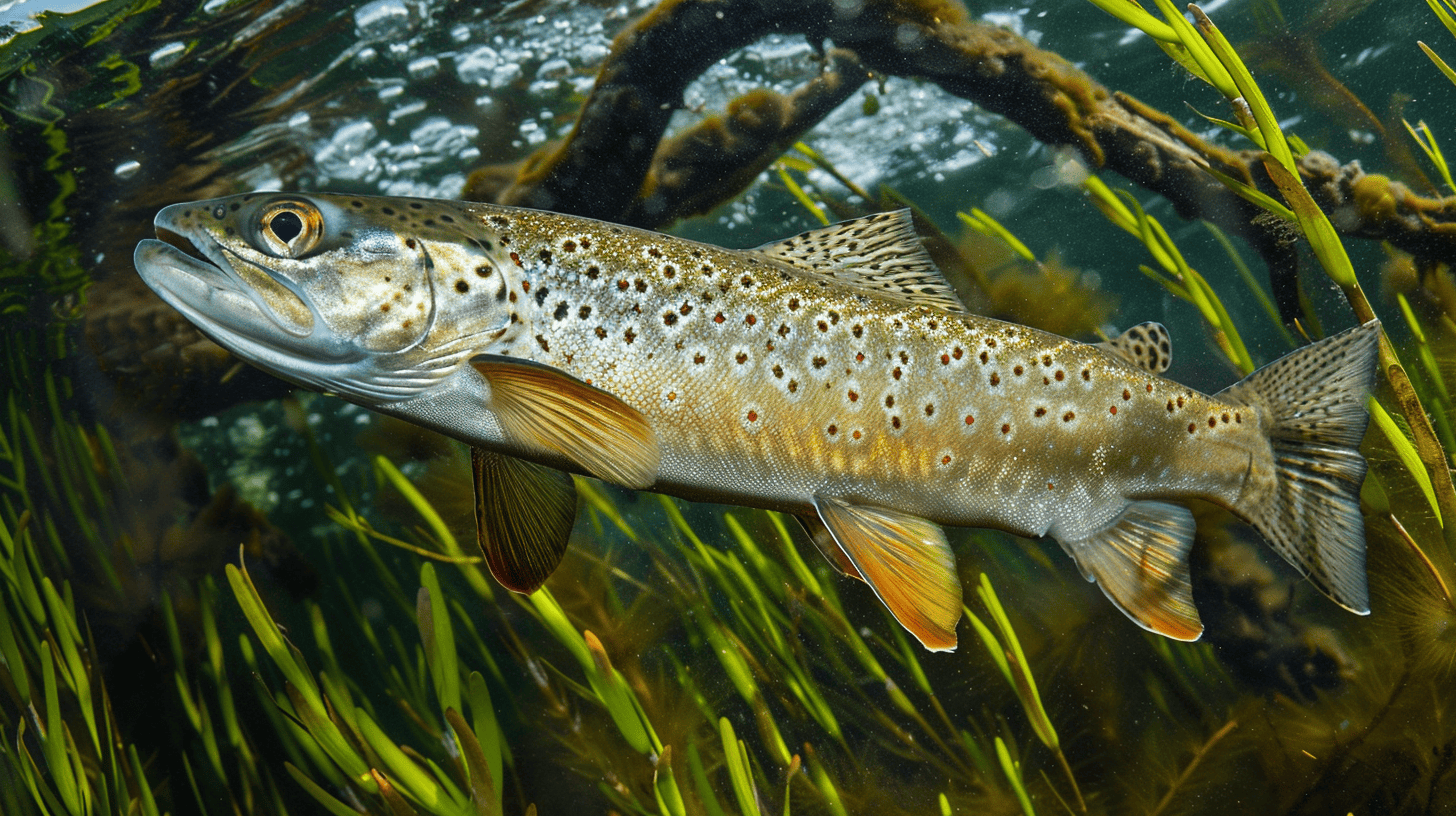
x: 833, y: 375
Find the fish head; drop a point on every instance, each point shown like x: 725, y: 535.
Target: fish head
x: 366, y: 297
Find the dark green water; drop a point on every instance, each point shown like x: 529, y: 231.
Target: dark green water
x: 136, y: 461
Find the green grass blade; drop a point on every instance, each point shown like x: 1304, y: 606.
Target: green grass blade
x: 1406, y: 452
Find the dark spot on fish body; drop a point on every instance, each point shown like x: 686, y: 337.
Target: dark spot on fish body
x: 483, y: 271
x: 1006, y: 429
x: 654, y: 252
x: 685, y: 309
x: 783, y: 330
x: 929, y: 409
x: 387, y: 210
x: 752, y: 416
x: 750, y: 320
x: 1112, y: 410
x: 562, y: 310
x: 586, y: 243
x: 778, y: 371
x: 890, y: 401
x: 746, y: 281
x: 515, y: 259
x: 384, y: 308
x: 541, y: 295
x: 415, y: 205
x: 1086, y: 375
x: 793, y: 386
x: 500, y: 221
x: 859, y: 357
x: 1170, y: 406
x: 793, y: 304
x: 970, y: 420
x: 741, y: 357
x: 857, y: 330
x: 1213, y: 422
x: 1069, y: 416
x: 1060, y: 375
x: 1039, y: 412
x: 995, y: 379
x: 719, y: 318
x: 584, y: 312
x: 669, y: 318
x: 640, y: 285
x: 462, y: 287
x: 895, y: 422
x: 669, y: 271
x: 545, y: 256
x: 945, y: 359
x: 1017, y: 371
x: 600, y: 332
x: 545, y: 346
x: 699, y: 359
x: 819, y: 362
x: 568, y: 245
x: 833, y: 429
x: 623, y: 285
x: 411, y: 243
x: 629, y: 336
x: 823, y: 326
x: 853, y: 396
x: 1191, y: 427
x: 593, y: 272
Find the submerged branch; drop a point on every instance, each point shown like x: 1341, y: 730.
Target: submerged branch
x: 610, y: 165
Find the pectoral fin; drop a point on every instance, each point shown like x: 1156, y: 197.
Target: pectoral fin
x: 545, y: 409
x: 1141, y: 562
x: 907, y: 562
x: 523, y: 518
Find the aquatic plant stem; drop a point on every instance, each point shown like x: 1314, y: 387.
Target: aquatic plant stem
x: 1192, y: 765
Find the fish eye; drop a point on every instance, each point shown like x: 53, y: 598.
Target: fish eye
x: 291, y: 229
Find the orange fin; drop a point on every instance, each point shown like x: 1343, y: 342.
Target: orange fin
x: 541, y: 408
x: 824, y: 541
x: 907, y: 562
x: 523, y: 518
x: 1141, y: 562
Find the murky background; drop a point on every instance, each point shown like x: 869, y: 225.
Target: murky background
x: 727, y: 668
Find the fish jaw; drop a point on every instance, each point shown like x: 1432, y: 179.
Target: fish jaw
x: 206, y: 288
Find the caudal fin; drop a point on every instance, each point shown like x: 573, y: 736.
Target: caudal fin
x: 1313, y: 402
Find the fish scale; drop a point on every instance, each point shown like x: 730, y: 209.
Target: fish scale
x: 803, y: 388
x: 833, y: 375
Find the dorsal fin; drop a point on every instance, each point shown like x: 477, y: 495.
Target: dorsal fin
x: 880, y: 253
x: 1145, y: 345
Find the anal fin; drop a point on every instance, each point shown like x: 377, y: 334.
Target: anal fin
x: 523, y: 518
x: 1140, y: 560
x: 907, y: 562
x: 545, y: 409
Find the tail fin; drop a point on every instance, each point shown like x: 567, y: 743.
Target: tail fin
x: 1313, y: 402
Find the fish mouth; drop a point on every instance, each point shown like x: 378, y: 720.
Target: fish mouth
x: 202, y: 281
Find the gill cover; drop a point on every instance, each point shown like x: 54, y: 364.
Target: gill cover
x: 330, y: 292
